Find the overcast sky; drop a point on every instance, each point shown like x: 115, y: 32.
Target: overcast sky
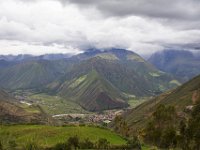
x: 72, y: 26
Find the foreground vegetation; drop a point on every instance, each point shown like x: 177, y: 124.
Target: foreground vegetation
x: 23, y: 136
x: 166, y: 130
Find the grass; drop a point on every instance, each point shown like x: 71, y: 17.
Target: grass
x: 48, y: 136
x: 135, y: 58
x: 133, y: 102
x: 108, y: 56
x: 56, y: 105
x: 78, y: 81
x: 31, y: 109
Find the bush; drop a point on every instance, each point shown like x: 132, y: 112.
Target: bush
x: 60, y: 146
x: 103, y: 143
x: 168, y: 139
x: 134, y: 143
x: 73, y: 142
x: 161, y: 130
x: 86, y: 144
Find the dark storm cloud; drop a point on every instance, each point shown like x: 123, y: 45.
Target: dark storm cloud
x: 171, y: 9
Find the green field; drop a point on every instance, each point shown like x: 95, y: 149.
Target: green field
x: 133, y: 102
x: 56, y: 105
x: 48, y: 136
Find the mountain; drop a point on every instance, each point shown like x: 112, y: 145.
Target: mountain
x: 26, y: 57
x: 182, y: 64
x: 125, y: 70
x: 93, y: 92
x: 11, y: 111
x: 31, y: 74
x: 15, y: 57
x: 96, y: 79
x: 4, y: 64
x: 182, y: 98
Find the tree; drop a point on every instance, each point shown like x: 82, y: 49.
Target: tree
x: 121, y: 126
x: 161, y: 130
x: 134, y: 143
x: 168, y: 139
x: 194, y: 127
x: 189, y: 137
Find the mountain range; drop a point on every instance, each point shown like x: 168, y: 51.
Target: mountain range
x: 180, y: 63
x: 96, y: 80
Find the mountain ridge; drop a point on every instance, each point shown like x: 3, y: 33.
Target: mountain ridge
x: 181, y: 98
x: 121, y: 70
x: 180, y: 63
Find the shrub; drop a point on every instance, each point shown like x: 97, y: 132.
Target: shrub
x: 86, y: 144
x: 103, y: 143
x: 60, y: 146
x: 133, y: 143
x: 73, y: 142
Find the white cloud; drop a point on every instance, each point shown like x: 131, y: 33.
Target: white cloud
x: 16, y: 47
x: 47, y: 26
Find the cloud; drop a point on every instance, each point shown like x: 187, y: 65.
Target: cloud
x: 16, y: 47
x: 178, y: 9
x: 43, y: 26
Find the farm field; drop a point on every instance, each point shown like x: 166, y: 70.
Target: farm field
x: 49, y: 136
x: 56, y: 105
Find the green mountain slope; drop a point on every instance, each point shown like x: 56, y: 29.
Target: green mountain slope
x: 31, y: 74
x: 11, y: 111
x: 183, y: 98
x: 126, y: 71
x: 92, y: 92
x: 116, y: 71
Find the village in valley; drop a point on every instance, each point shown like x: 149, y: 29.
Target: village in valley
x: 98, y: 118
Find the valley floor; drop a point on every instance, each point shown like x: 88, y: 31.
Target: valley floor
x: 69, y: 111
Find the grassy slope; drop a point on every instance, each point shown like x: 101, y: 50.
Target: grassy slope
x: 93, y: 92
x: 31, y: 74
x: 47, y: 136
x: 180, y: 98
x: 126, y: 71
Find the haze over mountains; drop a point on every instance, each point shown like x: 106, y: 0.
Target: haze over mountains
x: 180, y: 63
x: 95, y: 79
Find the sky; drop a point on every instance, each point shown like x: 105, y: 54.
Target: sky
x: 73, y: 26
